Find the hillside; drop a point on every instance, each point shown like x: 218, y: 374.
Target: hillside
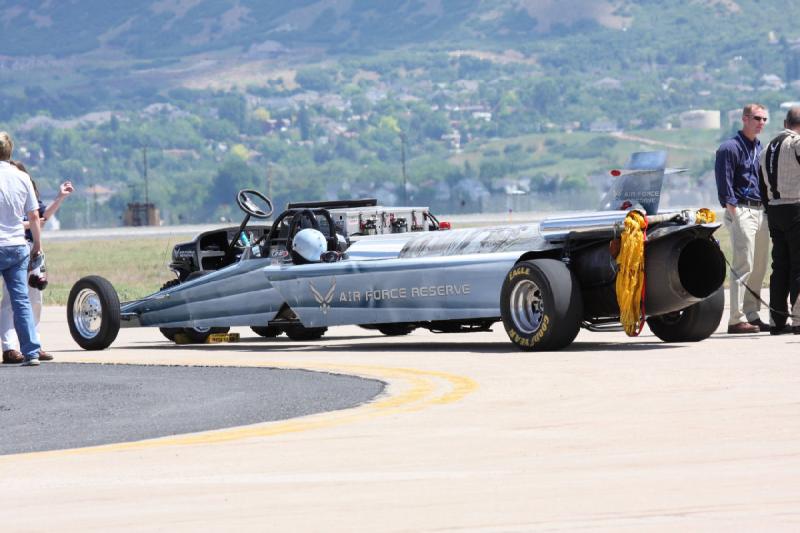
x: 163, y: 28
x: 319, y: 98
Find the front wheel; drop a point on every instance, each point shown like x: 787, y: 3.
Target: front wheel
x: 695, y: 323
x: 93, y: 313
x: 395, y: 330
x: 302, y: 333
x: 541, y: 305
x: 195, y: 335
x: 169, y: 333
x: 266, y: 331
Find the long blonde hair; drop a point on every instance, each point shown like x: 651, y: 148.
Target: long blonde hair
x: 20, y: 166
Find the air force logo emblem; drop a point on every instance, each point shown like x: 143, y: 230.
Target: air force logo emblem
x: 323, y: 301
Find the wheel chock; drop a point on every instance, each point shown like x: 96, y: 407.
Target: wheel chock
x: 216, y: 338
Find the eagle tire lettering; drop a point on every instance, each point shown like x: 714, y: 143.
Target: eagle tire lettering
x: 518, y: 271
x: 541, y: 305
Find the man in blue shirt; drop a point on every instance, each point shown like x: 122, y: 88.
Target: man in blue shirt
x: 736, y: 171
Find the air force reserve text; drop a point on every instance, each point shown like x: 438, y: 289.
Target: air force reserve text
x: 400, y: 293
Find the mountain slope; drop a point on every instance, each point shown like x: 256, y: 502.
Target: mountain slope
x: 158, y: 28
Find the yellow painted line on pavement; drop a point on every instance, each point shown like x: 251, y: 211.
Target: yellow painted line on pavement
x: 419, y: 389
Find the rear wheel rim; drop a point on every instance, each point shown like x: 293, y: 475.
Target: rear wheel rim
x: 87, y: 313
x: 527, y: 306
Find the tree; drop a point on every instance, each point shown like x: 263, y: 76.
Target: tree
x: 234, y: 174
x: 389, y: 123
x: 314, y: 79
x: 304, y: 123
x: 261, y: 115
x: 232, y: 107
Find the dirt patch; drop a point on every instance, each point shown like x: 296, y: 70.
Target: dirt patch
x: 241, y: 75
x: 730, y: 5
x: 509, y: 56
x: 550, y: 12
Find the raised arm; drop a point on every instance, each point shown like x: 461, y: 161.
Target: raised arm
x: 64, y: 190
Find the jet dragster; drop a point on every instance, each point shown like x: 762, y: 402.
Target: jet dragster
x: 397, y: 269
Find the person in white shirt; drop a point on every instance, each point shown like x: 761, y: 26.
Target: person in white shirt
x: 8, y: 335
x: 17, y: 199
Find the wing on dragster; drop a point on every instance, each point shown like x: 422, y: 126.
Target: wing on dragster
x: 638, y: 183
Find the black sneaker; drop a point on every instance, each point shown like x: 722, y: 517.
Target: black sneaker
x: 785, y: 330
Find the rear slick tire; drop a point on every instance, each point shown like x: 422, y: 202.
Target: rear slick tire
x: 693, y: 324
x: 541, y: 305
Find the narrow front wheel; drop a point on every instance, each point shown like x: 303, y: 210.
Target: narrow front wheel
x: 267, y: 331
x: 301, y: 333
x: 93, y: 313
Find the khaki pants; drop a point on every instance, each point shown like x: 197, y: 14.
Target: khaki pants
x: 750, y: 247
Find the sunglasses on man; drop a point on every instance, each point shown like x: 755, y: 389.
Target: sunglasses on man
x: 758, y: 118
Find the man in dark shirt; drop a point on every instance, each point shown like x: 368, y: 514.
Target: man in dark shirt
x: 736, y: 171
x: 780, y: 189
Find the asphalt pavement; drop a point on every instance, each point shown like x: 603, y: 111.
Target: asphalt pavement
x: 61, y: 405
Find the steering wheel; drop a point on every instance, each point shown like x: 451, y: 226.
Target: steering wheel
x: 246, y: 203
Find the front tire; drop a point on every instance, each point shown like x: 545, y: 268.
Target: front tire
x: 198, y: 335
x: 302, y: 333
x: 266, y: 331
x: 195, y: 335
x: 169, y: 333
x: 396, y: 330
x: 541, y: 305
x: 693, y: 324
x: 93, y: 313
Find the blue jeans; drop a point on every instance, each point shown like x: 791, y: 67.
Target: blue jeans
x: 14, y: 266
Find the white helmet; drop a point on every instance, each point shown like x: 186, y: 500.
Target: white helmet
x: 309, y: 244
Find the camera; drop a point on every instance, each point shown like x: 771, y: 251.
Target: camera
x: 38, y: 281
x: 38, y: 277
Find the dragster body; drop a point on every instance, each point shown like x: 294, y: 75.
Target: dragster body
x: 542, y: 280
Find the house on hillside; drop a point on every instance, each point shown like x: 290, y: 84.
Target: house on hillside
x: 604, y: 125
x: 772, y: 82
x: 607, y: 83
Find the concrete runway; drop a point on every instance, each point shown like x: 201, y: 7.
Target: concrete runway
x: 610, y: 434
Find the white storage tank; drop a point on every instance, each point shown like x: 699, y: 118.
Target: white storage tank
x: 700, y: 119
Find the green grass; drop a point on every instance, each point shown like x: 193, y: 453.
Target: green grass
x: 136, y: 267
